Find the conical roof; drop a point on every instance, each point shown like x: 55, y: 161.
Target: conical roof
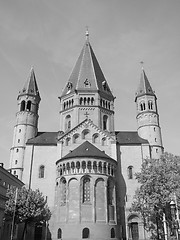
x: 87, y: 74
x: 86, y: 149
x: 30, y: 87
x: 144, y: 87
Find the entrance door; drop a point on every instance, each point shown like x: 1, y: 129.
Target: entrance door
x: 134, y: 231
x: 38, y: 232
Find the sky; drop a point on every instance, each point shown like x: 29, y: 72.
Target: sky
x: 49, y: 35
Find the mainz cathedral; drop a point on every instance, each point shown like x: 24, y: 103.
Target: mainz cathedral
x: 86, y: 168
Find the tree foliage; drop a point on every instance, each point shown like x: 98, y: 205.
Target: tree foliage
x: 159, y: 182
x: 28, y: 206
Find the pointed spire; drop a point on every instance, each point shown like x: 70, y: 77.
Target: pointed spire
x: 144, y: 87
x: 30, y: 86
x: 87, y: 74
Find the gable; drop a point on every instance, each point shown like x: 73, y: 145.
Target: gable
x: 86, y: 131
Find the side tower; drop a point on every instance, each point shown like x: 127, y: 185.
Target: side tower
x: 26, y: 123
x: 87, y: 94
x: 148, y: 117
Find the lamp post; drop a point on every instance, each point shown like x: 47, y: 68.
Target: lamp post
x: 175, y: 223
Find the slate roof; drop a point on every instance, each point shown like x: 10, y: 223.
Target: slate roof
x: 144, y: 87
x: 86, y: 149
x: 30, y: 86
x: 87, y: 69
x: 123, y: 138
x: 44, y: 138
x: 129, y: 138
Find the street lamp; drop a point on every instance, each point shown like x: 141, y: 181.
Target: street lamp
x: 175, y: 226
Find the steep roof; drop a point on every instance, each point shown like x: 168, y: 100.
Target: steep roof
x: 87, y: 74
x: 44, y: 138
x: 30, y: 86
x: 129, y: 138
x: 86, y: 149
x: 144, y: 87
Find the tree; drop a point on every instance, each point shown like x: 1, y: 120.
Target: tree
x: 159, y: 181
x: 27, y: 206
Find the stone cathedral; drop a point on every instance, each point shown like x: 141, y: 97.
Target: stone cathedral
x: 86, y: 168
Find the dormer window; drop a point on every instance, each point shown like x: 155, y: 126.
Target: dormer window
x: 87, y: 83
x: 105, y: 86
x: 69, y: 86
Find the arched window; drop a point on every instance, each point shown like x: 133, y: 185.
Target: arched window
x: 41, y: 171
x: 29, y: 106
x: 59, y: 234
x: 95, y: 138
x: 85, y: 233
x: 100, y: 167
x: 83, y: 166
x: 105, y: 120
x: 67, y: 141
x: 75, y: 138
x: 68, y: 122
x: 112, y: 233
x: 86, y: 190
x: 150, y: 105
x: 85, y: 134
x: 22, y: 106
x: 142, y: 106
x: 63, y: 191
x: 81, y: 101
x: 130, y: 172
x: 103, y: 141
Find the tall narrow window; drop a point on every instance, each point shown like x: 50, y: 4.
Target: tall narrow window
x: 59, y: 234
x: 150, y: 105
x: 105, y: 120
x: 86, y: 190
x: 142, y: 106
x: 68, y: 122
x: 85, y: 233
x: 41, y: 171
x: 22, y: 106
x: 29, y: 106
x: 63, y: 191
x: 130, y: 172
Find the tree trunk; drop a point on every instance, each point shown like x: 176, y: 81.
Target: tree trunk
x: 24, y: 230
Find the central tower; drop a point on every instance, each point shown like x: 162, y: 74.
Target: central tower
x: 87, y: 94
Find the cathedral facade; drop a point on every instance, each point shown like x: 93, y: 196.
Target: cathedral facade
x: 86, y: 169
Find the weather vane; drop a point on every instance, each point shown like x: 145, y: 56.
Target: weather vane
x: 87, y: 33
x: 142, y: 64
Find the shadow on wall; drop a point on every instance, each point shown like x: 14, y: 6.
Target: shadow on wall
x: 122, y: 189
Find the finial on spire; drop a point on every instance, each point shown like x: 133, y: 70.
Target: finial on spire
x: 142, y: 65
x: 87, y: 33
